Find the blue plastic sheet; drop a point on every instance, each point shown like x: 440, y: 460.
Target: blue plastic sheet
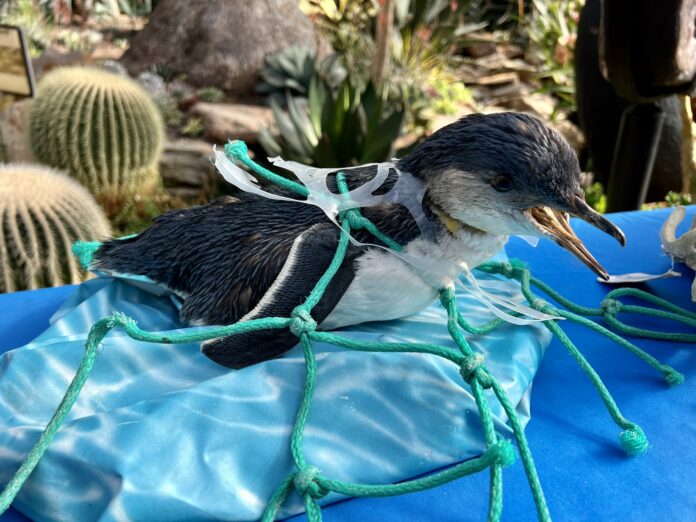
x: 162, y: 433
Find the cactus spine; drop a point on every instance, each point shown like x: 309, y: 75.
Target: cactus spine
x: 100, y: 127
x: 42, y: 213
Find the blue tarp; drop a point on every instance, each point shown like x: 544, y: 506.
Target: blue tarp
x: 162, y: 433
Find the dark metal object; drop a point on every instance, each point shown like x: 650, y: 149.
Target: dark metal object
x: 647, y: 51
x: 634, y: 156
x: 647, y: 48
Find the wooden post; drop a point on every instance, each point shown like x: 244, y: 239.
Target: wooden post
x: 385, y: 25
x: 688, y: 167
x: 62, y: 12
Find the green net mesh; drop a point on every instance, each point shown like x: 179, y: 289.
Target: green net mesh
x: 309, y: 481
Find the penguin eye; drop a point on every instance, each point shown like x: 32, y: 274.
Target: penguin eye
x: 502, y: 183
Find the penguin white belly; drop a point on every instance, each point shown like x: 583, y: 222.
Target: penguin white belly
x: 386, y: 288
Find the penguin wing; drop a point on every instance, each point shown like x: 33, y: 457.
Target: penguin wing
x: 309, y: 257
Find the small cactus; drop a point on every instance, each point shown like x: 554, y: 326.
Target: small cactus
x: 210, y: 95
x: 194, y: 127
x: 42, y: 213
x: 100, y: 127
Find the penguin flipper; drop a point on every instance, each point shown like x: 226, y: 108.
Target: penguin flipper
x: 310, y: 256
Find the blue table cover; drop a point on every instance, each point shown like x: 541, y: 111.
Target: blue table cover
x: 161, y: 433
x: 585, y: 474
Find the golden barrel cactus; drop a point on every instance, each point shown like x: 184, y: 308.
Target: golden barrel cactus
x: 100, y: 127
x: 42, y: 213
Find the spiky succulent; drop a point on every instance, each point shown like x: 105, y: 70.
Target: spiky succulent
x: 42, y: 212
x: 100, y: 127
x: 290, y: 72
x: 349, y: 127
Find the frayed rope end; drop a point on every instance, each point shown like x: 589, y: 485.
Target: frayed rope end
x: 84, y: 251
x: 674, y: 378
x: 633, y: 441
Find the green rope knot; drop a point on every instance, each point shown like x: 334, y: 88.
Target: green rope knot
x: 634, y: 441
x: 543, y: 306
x: 306, y: 483
x: 611, y: 307
x: 84, y: 251
x: 236, y: 149
x: 301, y: 321
x: 355, y: 219
x: 472, y: 368
x: 673, y: 377
x: 503, y: 452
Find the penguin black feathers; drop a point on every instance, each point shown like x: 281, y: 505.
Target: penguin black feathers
x: 247, y: 257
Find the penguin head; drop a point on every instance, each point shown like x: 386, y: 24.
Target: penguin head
x: 505, y: 174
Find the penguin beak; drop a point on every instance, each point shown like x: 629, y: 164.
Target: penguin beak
x: 555, y: 223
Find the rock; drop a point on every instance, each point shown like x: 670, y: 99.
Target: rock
x: 570, y: 132
x: 510, y: 50
x: 153, y: 84
x: 480, y: 49
x: 509, y: 92
x: 179, y: 89
x: 52, y: 58
x: 106, y: 50
x: 538, y: 104
x: 14, y: 123
x: 442, y: 120
x: 498, y: 78
x: 186, y: 169
x: 114, y: 67
x: 223, y: 122
x: 218, y: 42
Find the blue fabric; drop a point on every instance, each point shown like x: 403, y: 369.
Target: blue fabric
x: 161, y: 433
x: 585, y: 475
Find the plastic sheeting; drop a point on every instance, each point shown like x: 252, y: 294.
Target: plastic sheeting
x: 162, y: 433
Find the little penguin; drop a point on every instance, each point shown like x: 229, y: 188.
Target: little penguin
x: 486, y: 177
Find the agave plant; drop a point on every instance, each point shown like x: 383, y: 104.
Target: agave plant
x: 333, y: 128
x: 289, y: 73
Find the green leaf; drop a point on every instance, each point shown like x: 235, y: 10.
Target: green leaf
x: 269, y: 144
x: 317, y: 100
x: 301, y: 121
x: 287, y: 130
x: 378, y: 148
x: 324, y: 154
x: 340, y: 109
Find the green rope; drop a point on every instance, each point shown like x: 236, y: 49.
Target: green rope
x: 238, y: 152
x: 357, y: 221
x: 307, y: 480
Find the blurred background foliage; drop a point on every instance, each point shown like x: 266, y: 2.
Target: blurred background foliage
x: 551, y: 28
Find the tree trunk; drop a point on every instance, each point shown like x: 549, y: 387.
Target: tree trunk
x: 62, y: 12
x: 385, y: 26
x: 83, y: 8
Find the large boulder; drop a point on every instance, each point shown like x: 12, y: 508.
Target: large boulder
x: 235, y: 121
x: 218, y: 42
